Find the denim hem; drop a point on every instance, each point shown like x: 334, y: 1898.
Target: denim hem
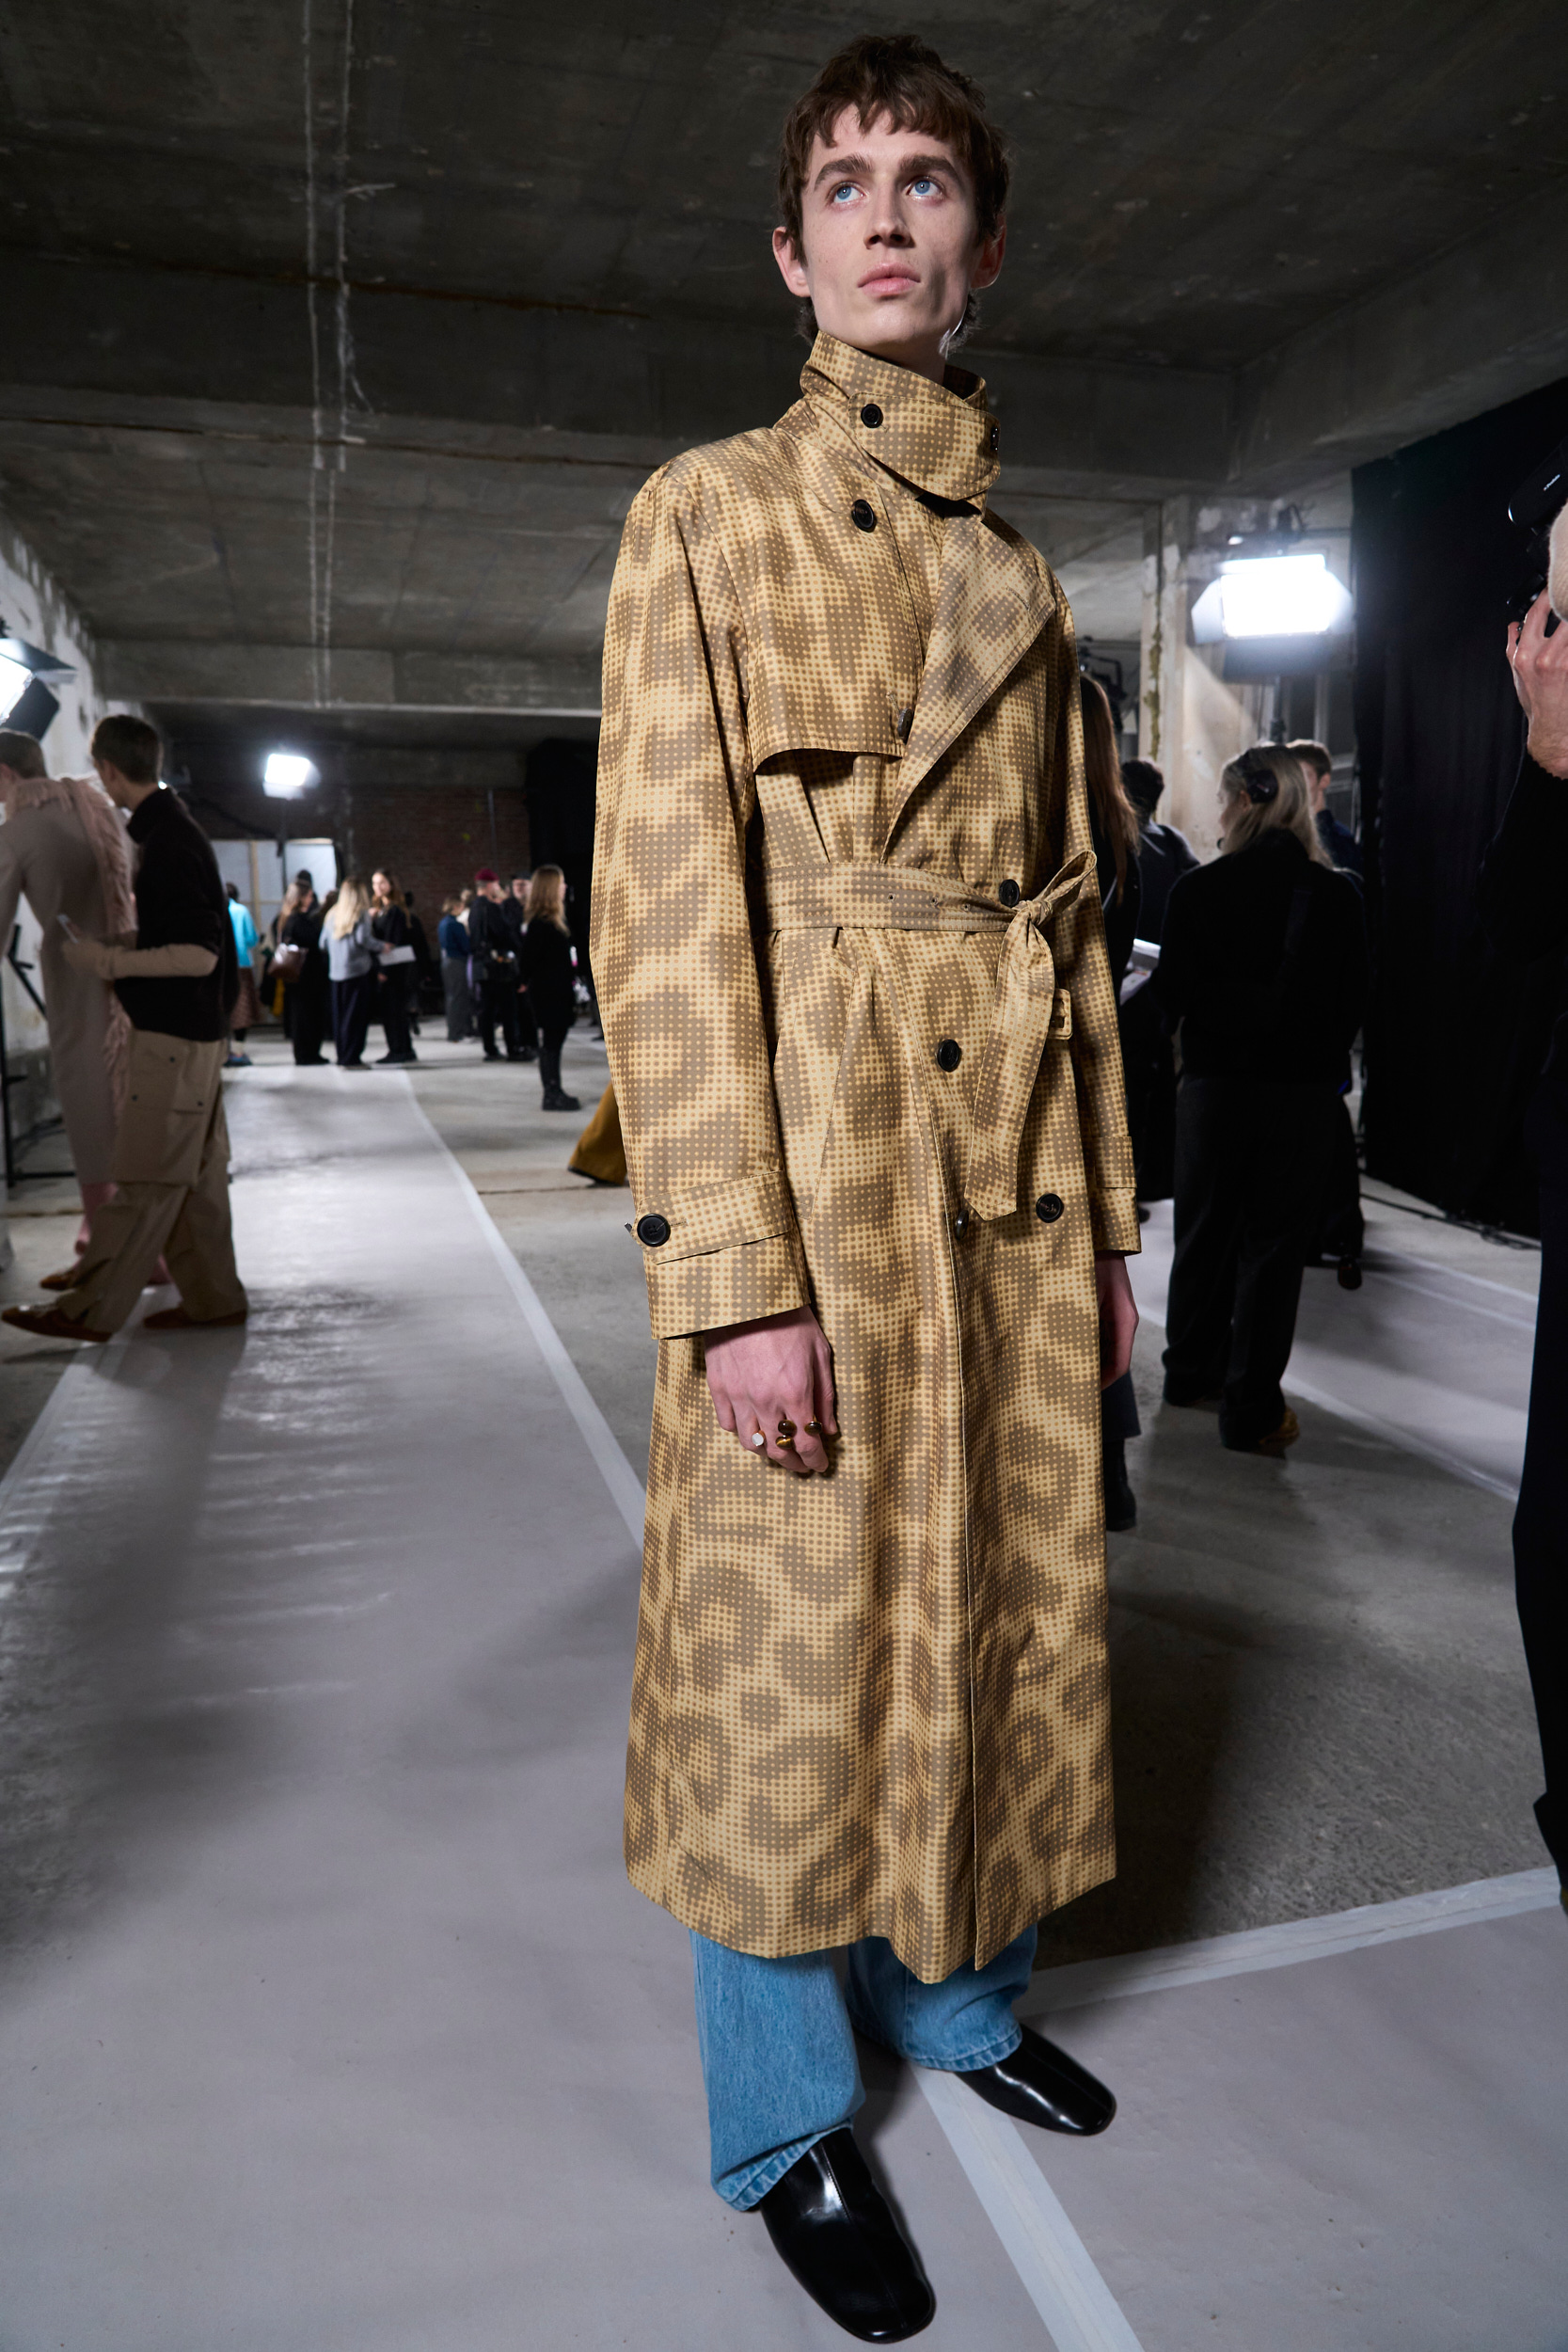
x: 755, y: 2182
x: 990, y: 2053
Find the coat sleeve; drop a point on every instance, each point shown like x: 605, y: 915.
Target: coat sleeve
x: 13, y: 882
x: 671, y: 948
x: 1083, y: 969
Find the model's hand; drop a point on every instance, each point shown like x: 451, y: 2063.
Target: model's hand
x: 90, y: 955
x: 1119, y: 1314
x: 1540, y: 666
x: 781, y: 1369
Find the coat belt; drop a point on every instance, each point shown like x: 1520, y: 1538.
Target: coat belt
x: 1028, y: 1007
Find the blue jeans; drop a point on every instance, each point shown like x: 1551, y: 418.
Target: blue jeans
x: 778, y: 2053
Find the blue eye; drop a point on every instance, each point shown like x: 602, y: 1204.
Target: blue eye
x: 845, y: 187
x: 917, y: 185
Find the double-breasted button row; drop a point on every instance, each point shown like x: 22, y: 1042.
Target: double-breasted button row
x: 654, y: 1232
x: 863, y: 514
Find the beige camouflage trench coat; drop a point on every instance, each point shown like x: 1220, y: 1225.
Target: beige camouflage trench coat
x: 850, y: 952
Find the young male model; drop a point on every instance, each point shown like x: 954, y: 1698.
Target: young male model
x: 178, y: 976
x: 853, y: 975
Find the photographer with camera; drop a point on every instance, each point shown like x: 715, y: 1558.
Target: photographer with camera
x: 1525, y: 916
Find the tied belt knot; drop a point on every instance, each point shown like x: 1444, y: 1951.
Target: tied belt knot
x: 1028, y: 1006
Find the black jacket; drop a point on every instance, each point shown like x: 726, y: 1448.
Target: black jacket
x: 1247, y: 1009
x: 547, y: 962
x: 1164, y: 856
x: 1121, y: 914
x: 1523, y: 908
x: 180, y: 901
x: 490, y: 935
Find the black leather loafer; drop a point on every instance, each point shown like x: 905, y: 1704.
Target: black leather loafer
x: 1040, y: 2084
x: 836, y: 2232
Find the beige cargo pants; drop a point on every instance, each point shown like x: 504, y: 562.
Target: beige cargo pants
x: 171, y: 1168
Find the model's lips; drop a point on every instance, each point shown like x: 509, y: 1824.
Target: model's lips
x: 888, y: 280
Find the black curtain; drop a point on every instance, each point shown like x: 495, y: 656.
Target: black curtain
x: 1455, y: 1035
x: 559, y: 780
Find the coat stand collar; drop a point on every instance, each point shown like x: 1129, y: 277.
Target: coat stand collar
x: 940, y: 437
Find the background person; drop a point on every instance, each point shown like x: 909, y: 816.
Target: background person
x: 1525, y: 910
x: 1341, y: 845
x: 351, y: 964
x: 1147, y: 1054
x: 248, y: 1003
x: 1264, y: 964
x: 548, y: 975
x: 515, y: 910
x: 177, y: 976
x: 451, y: 937
x: 306, y: 987
x: 63, y: 848
x: 395, y: 964
x: 493, y: 944
x: 1114, y: 827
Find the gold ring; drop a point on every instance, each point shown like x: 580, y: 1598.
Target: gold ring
x: 786, y: 1427
x: 814, y: 1428
x: 786, y: 1445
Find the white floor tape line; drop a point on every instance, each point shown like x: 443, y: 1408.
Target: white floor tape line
x: 1052, y: 2260
x: 1085, y: 1980
x: 624, y: 1486
x: 1041, y: 2243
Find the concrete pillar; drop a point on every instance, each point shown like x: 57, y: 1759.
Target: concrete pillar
x: 1190, y: 721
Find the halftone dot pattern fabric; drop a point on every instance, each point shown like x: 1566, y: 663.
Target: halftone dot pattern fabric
x: 873, y: 1702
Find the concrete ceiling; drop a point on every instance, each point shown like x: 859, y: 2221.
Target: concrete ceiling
x: 342, y: 335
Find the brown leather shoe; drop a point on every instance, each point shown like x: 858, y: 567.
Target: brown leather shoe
x: 176, y: 1319
x: 47, y: 1322
x: 64, y: 1280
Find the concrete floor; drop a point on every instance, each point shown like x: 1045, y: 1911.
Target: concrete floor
x: 327, y: 2015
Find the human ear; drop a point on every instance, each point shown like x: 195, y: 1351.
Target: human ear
x: 988, y: 267
x: 791, y: 262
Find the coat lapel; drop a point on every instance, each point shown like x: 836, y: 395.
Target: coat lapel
x: 991, y: 604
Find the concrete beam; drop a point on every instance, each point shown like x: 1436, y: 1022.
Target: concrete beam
x: 630, y: 383
x: 1481, y: 325
x: 293, y: 678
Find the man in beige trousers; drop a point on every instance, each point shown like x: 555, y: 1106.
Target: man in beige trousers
x: 177, y: 978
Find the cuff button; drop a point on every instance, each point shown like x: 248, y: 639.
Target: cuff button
x: 1048, y: 1208
x: 653, y: 1230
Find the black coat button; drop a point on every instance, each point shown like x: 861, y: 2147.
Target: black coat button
x: 871, y: 415
x: 653, y: 1230
x: 949, y: 1053
x: 1048, y: 1208
x: 961, y: 1224
x: 1009, y: 893
x: 862, y: 516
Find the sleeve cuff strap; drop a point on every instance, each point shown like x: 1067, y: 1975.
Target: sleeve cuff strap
x: 725, y: 1286
x: 1114, y: 1223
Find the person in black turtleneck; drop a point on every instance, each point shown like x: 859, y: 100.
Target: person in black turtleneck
x: 178, y: 978
x: 1523, y: 908
x: 1263, y: 961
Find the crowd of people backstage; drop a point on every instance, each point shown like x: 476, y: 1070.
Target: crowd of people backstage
x: 335, y: 966
x: 507, y: 969
x: 1256, y: 998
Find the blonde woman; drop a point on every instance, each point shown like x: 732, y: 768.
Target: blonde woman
x: 1263, y: 961
x: 351, y: 960
x: 550, y: 974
